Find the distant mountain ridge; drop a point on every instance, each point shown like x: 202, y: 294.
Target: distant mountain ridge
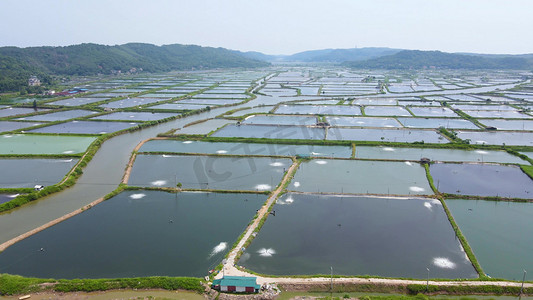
x: 389, y: 58
x: 325, y: 55
x: 416, y: 59
x: 18, y: 64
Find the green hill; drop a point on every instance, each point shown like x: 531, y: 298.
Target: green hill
x: 414, y: 59
x: 17, y: 64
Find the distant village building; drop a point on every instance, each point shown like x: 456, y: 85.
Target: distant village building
x: 34, y: 81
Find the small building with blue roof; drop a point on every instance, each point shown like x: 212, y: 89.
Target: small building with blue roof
x: 239, y: 284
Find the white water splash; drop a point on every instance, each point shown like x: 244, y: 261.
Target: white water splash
x: 408, y: 163
x: 7, y: 136
x: 436, y: 202
x: 481, y: 152
x: 66, y: 160
x: 443, y: 262
x: 137, y: 196
x: 296, y: 184
x: 102, y: 132
x: 315, y: 153
x: 388, y: 149
x: 187, y: 142
x: 222, y: 151
x: 158, y: 182
x: 13, y: 196
x: 262, y: 187
x: 428, y: 205
x: 68, y: 152
x: 285, y: 202
x: 276, y: 164
x: 266, y: 252
x: 321, y: 162
x: 166, y: 155
x: 416, y: 189
x: 218, y: 248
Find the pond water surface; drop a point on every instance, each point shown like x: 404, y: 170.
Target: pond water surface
x: 137, y: 233
x: 482, y: 180
x: 397, y: 153
x: 85, y: 127
x: 389, y: 237
x: 498, y: 233
x: 135, y: 116
x: 43, y: 144
x: 26, y: 173
x: 208, y: 172
x: 386, y: 135
x: 60, y: 115
x: 271, y: 132
x: 245, y: 148
x: 361, y: 177
x: 11, y: 125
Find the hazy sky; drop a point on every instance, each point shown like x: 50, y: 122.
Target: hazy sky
x: 274, y: 26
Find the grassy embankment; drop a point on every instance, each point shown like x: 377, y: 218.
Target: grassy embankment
x: 16, y: 285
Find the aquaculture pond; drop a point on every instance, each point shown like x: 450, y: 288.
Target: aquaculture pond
x: 386, y: 135
x: 220, y: 96
x: 386, y: 111
x: 509, y: 124
x: 483, y: 107
x: 497, y: 114
x: 136, y: 234
x: 393, y: 102
x: 436, y: 123
x: 85, y: 127
x: 319, y: 102
x: 135, y: 116
x: 26, y: 173
x: 271, y: 132
x: 131, y: 102
x: 391, y: 237
x: 43, y: 144
x: 280, y: 120
x: 362, y: 122
x: 318, y: 110
x: 258, y: 109
x: 498, y: 233
x: 60, y: 115
x: 11, y: 125
x: 208, y: 172
x: 497, y: 137
x: 177, y: 106
x: 76, y: 101
x: 15, y: 111
x: 211, y: 101
x: 433, y: 112
x: 482, y: 180
x: 361, y: 177
x: 204, y: 127
x: 396, y: 153
x: 418, y: 103
x: 245, y: 148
